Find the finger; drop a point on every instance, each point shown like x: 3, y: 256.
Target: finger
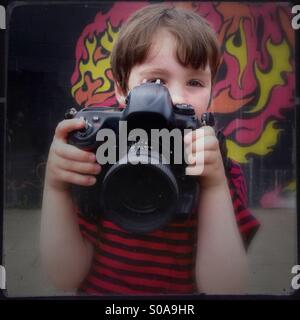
x: 79, y: 167
x: 194, y: 170
x: 200, y: 132
x: 205, y: 143
x: 76, y: 178
x: 71, y: 152
x: 67, y: 126
x: 204, y: 157
x: 200, y: 170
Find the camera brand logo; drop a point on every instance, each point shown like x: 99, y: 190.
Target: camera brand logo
x: 2, y: 18
x: 296, y: 18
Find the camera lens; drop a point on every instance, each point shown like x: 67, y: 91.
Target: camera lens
x: 140, y: 190
x: 140, y: 197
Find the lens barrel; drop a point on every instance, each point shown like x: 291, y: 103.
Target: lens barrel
x: 140, y: 192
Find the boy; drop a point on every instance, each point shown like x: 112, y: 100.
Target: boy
x: 201, y: 254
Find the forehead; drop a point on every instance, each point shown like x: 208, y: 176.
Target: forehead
x: 162, y: 59
x: 163, y: 52
x: 163, y: 42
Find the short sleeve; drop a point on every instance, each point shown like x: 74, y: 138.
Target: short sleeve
x: 88, y: 229
x: 247, y: 223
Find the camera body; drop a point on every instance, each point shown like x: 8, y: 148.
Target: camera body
x: 144, y: 195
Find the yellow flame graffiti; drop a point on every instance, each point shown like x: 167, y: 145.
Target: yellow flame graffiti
x: 97, y: 69
x: 292, y: 186
x: 240, y: 52
x: 263, y: 146
x: 280, y: 57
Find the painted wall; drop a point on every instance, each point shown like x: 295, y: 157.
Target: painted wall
x: 253, y: 95
x: 254, y: 88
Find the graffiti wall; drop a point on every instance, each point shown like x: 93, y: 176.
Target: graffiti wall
x: 253, y: 96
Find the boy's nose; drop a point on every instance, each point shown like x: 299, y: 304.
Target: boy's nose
x: 177, y: 96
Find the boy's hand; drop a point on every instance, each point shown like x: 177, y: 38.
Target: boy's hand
x: 204, y: 156
x: 68, y: 164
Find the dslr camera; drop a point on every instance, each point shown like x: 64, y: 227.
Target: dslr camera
x: 140, y: 191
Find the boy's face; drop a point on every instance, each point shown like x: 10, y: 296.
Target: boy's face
x: 185, y: 84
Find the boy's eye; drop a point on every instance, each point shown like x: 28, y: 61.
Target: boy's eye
x: 154, y: 80
x: 195, y: 83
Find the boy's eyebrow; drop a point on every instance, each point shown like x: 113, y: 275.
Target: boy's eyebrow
x: 201, y: 72
x: 160, y: 71
x: 154, y: 71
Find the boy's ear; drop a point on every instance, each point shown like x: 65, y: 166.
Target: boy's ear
x: 120, y: 96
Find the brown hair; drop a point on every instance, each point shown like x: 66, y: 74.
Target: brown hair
x: 195, y: 40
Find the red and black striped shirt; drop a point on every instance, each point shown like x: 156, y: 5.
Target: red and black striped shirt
x: 160, y: 262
